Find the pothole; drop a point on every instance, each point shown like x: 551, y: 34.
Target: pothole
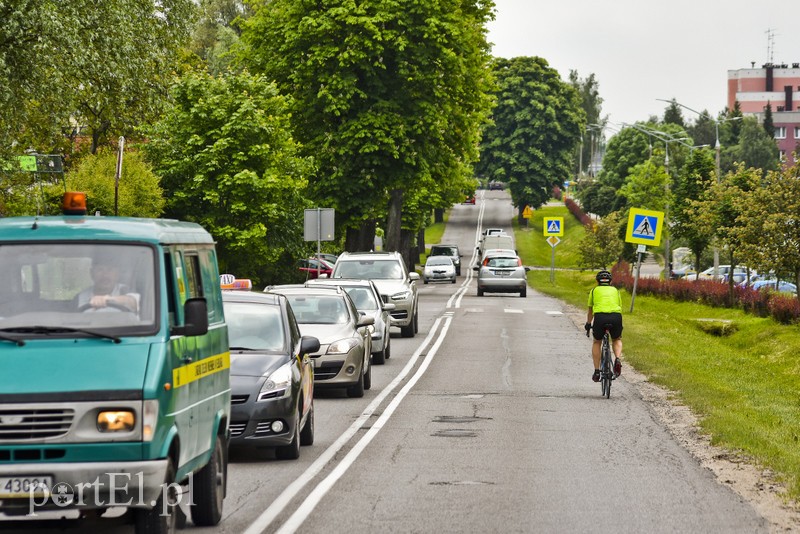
x: 459, y: 419
x: 455, y: 433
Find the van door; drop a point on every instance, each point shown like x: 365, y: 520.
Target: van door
x: 182, y: 352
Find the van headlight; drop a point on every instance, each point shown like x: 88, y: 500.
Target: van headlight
x: 116, y: 421
x: 277, y: 383
x: 343, y: 346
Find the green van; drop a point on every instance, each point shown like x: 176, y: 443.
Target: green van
x: 114, y: 369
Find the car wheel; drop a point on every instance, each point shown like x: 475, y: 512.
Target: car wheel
x: 480, y: 292
x: 524, y: 292
x: 425, y: 280
x: 209, y: 488
x: 357, y: 391
x: 408, y: 330
x: 368, y: 377
x: 307, y: 433
x: 379, y: 358
x: 453, y: 281
x: 458, y: 271
x: 154, y: 520
x: 292, y: 450
x: 387, y: 352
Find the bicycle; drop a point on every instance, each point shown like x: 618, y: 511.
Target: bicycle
x: 606, y: 363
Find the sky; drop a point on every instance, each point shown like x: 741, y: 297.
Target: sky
x: 641, y: 51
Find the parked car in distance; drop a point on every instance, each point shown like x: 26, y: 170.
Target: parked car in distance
x: 452, y: 251
x: 328, y: 313
x: 687, y: 272
x: 395, y: 283
x: 272, y: 377
x: 739, y: 274
x: 315, y: 267
x: 502, y: 273
x: 775, y: 285
x: 439, y: 269
x: 330, y: 258
x: 368, y: 301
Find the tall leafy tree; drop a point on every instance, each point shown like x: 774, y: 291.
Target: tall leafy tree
x: 388, y: 96
x: 755, y: 148
x: 770, y: 214
x: 592, y: 104
x: 768, y: 124
x: 536, y: 128
x: 227, y: 161
x: 703, y: 131
x: 695, y: 178
x: 103, y: 66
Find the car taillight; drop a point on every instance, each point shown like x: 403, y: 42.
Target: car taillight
x: 485, y: 262
x: 519, y: 262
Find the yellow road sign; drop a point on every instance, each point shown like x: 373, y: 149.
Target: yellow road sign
x: 553, y: 240
x: 527, y: 213
x: 644, y: 227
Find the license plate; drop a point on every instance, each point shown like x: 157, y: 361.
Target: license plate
x: 11, y: 487
x: 502, y: 273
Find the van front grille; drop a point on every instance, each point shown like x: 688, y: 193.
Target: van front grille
x: 21, y: 424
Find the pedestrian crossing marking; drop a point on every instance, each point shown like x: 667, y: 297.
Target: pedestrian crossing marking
x: 553, y: 226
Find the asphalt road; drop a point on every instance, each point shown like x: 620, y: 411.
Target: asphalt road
x: 486, y: 421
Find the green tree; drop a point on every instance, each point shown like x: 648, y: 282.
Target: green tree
x: 768, y: 124
x: 647, y: 186
x: 536, y: 128
x: 770, y: 217
x: 754, y: 149
x: 139, y: 193
x: 217, y: 32
x: 694, y: 179
x: 98, y: 67
x: 228, y: 161
x: 703, y: 131
x: 592, y: 104
x: 388, y: 96
x: 601, y: 247
x: 674, y: 115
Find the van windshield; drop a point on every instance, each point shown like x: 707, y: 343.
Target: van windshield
x: 108, y: 288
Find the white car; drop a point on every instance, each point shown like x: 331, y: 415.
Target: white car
x: 439, y: 269
x: 739, y: 274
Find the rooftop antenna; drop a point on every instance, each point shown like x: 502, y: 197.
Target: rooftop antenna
x: 770, y: 45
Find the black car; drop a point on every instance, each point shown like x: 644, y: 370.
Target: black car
x: 272, y: 377
x: 448, y: 250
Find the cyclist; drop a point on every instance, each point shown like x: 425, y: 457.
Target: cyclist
x: 605, y: 307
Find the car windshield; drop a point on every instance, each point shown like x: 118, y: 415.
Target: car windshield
x: 254, y: 326
x: 63, y: 287
x: 314, y: 309
x: 442, y: 260
x: 503, y: 262
x: 443, y: 251
x: 369, y: 269
x: 362, y: 297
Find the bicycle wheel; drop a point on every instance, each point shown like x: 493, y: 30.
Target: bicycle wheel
x: 606, y: 371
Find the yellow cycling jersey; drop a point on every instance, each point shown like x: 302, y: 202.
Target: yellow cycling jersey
x: 605, y: 299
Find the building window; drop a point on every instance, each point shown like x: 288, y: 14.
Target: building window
x: 797, y: 132
x: 783, y: 156
x: 780, y: 132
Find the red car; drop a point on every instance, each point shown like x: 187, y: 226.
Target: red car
x: 470, y: 200
x: 313, y: 267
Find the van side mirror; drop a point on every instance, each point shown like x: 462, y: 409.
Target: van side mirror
x: 195, y: 316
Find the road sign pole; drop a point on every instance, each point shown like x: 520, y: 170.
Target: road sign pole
x: 639, y: 251
x: 553, y: 265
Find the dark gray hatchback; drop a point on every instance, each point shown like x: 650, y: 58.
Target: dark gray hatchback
x: 272, y: 378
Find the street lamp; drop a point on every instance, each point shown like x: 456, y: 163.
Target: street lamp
x: 718, y: 149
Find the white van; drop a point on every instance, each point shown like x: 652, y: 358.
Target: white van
x: 496, y: 241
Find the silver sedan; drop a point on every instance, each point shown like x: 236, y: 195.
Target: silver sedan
x: 502, y: 274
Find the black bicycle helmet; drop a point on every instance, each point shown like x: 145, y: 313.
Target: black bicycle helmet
x: 603, y: 277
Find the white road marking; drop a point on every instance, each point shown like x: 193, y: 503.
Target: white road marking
x: 512, y: 310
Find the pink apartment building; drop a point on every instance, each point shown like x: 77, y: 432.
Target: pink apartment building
x: 778, y: 85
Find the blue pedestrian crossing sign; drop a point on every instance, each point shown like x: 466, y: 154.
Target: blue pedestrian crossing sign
x: 553, y: 226
x: 644, y: 227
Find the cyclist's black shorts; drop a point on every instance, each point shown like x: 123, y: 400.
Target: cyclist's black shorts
x: 599, y: 320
